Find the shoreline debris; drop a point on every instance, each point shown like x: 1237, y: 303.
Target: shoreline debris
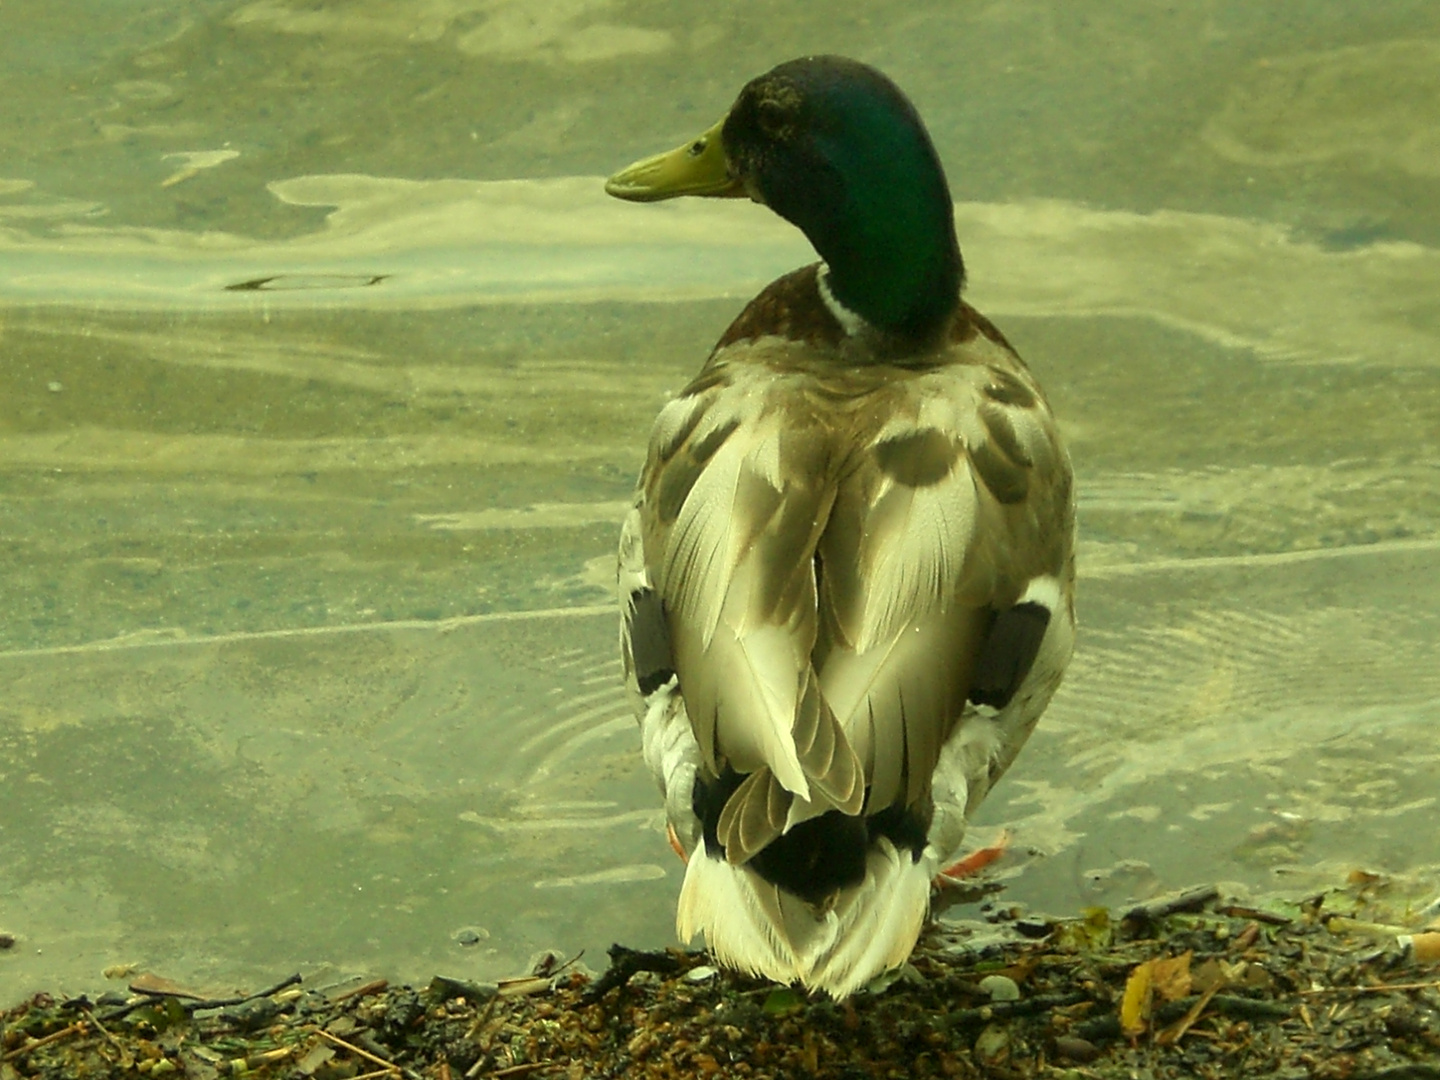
x: 1335, y: 987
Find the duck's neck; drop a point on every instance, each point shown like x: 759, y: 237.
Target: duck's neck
x: 886, y: 230
x: 896, y: 266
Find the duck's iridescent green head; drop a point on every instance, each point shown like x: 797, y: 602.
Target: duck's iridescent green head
x: 834, y: 147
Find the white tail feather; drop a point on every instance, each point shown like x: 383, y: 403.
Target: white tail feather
x: 751, y: 925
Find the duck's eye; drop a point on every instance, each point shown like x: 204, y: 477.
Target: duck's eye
x: 771, y: 117
x: 697, y: 147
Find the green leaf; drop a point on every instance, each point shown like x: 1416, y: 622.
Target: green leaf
x: 782, y: 1000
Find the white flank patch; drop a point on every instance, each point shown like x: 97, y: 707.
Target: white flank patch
x: 1043, y: 590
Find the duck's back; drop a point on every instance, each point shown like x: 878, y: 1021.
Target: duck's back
x: 841, y: 559
x: 847, y: 579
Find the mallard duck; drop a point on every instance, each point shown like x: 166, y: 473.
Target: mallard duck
x: 847, y: 579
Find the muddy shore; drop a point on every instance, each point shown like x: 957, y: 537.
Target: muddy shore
x: 1342, y: 985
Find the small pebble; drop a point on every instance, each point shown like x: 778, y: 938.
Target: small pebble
x: 7, y: 941
x: 1000, y: 988
x: 993, y: 1045
x: 1075, y: 1048
x: 700, y: 974
x: 998, y: 913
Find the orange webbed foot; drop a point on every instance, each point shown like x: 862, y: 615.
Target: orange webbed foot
x: 973, y: 863
x: 675, y: 844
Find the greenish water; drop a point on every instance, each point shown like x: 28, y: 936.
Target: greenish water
x: 304, y: 586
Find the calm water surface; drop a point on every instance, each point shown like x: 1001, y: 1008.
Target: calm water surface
x: 325, y: 370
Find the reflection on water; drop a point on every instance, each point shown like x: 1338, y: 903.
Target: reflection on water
x: 326, y: 798
x: 319, y: 410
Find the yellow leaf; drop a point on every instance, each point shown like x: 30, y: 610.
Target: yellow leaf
x: 1135, y: 1005
x: 1167, y: 978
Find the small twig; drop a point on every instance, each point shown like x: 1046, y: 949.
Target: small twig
x: 1243, y: 1008
x: 472, y: 992
x: 1247, y: 936
x: 390, y: 1066
x: 103, y: 1031
x: 625, y: 963
x: 525, y: 985
x: 568, y: 963
x: 521, y: 1070
x: 1189, y: 900
x: 1004, y: 1010
x: 1177, y: 1032
x: 256, y: 1061
x: 1240, y: 911
x: 195, y: 1006
x: 478, y: 1025
x: 378, y: 1072
x: 121, y: 1011
x: 374, y: 986
x: 54, y: 1036
x: 225, y: 1003
x: 473, y: 1035
x: 1373, y: 989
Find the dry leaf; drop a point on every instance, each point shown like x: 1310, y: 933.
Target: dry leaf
x: 1135, y: 1006
x: 1208, y: 974
x: 1171, y: 976
x: 1254, y: 977
x: 1167, y: 978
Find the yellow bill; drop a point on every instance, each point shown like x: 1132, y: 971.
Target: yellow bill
x: 697, y: 168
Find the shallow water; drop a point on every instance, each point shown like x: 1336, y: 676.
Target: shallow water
x: 328, y: 367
